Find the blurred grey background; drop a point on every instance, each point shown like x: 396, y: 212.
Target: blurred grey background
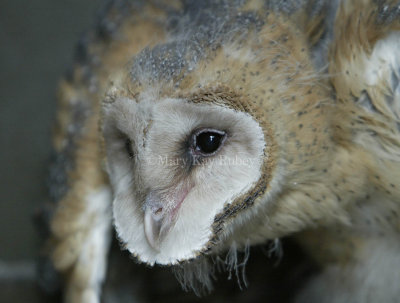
x: 37, y: 40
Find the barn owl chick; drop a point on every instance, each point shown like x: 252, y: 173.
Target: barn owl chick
x: 230, y: 123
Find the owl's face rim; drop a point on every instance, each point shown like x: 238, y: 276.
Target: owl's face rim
x: 144, y: 255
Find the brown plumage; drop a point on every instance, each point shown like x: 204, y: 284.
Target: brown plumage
x: 306, y: 90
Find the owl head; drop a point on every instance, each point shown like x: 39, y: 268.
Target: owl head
x: 201, y: 143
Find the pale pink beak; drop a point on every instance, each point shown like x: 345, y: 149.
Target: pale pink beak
x: 160, y: 213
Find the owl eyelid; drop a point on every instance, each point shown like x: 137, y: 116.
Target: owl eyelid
x: 196, y: 133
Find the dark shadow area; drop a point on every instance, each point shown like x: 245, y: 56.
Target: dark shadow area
x: 269, y: 279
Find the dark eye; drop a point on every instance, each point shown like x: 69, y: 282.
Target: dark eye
x: 128, y: 147
x: 207, y: 141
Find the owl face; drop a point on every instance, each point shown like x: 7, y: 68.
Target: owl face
x: 192, y: 144
x: 174, y: 165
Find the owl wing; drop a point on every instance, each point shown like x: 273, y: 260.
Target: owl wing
x: 80, y: 224
x: 365, y: 57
